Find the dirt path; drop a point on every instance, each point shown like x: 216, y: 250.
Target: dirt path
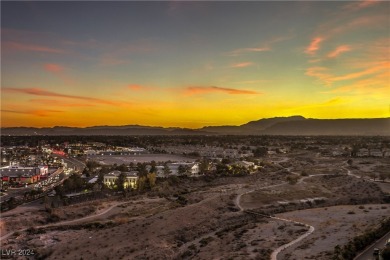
x: 74, y: 221
x: 300, y: 238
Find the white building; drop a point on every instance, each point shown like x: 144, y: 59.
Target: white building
x: 191, y: 169
x: 110, y: 179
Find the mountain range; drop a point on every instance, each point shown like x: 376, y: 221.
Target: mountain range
x: 294, y: 125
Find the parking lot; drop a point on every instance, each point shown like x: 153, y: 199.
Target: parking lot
x: 139, y: 158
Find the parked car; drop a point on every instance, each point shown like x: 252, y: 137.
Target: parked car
x: 376, y: 251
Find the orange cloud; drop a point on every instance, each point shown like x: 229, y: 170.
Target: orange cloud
x: 137, y: 87
x: 196, y: 90
x: 52, y: 67
x: 52, y: 102
x: 314, y: 46
x: 320, y: 73
x: 41, y: 112
x: 338, y: 51
x: 380, y: 67
x: 242, y: 65
x: 30, y: 47
x: 42, y: 92
x: 328, y: 79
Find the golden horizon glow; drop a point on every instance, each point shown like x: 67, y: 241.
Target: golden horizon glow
x: 325, y: 60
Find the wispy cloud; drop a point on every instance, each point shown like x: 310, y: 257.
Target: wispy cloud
x: 16, y: 46
x: 60, y: 103
x: 340, y: 26
x: 118, y: 54
x: 378, y: 68
x: 323, y: 74
x: 374, y: 86
x: 43, y: 92
x: 39, y: 112
x: 339, y: 50
x: 242, y: 64
x: 266, y: 46
x: 197, y: 90
x: 246, y: 50
x: 358, y: 5
x: 137, y: 87
x: 52, y: 67
x: 314, y: 45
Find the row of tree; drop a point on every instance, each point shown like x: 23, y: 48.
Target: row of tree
x: 356, y: 245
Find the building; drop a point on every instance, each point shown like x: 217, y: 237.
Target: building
x: 20, y: 175
x: 190, y: 169
x: 110, y: 179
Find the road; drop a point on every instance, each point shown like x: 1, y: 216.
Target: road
x: 19, y: 192
x: 368, y: 253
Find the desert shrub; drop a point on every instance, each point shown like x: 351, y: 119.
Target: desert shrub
x: 204, y: 241
x: 357, y: 244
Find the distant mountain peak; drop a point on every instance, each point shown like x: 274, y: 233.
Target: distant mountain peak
x: 292, y: 125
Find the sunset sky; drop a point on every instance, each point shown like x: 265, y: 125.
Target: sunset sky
x: 192, y: 64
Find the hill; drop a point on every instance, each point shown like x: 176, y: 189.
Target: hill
x: 294, y: 125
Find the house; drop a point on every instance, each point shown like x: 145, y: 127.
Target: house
x: 376, y: 153
x: 90, y: 152
x: 110, y: 179
x: 190, y: 169
x: 246, y: 165
x: 363, y: 152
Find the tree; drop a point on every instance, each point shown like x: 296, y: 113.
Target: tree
x: 153, y: 169
x: 383, y: 176
x: 204, y: 166
x: 141, y: 183
x: 350, y: 161
x: 181, y: 170
x: 260, y: 151
x: 386, y: 253
x: 167, y: 171
x: 122, y: 168
x: 141, y: 168
x: 152, y: 179
x: 372, y: 175
x: 120, y: 182
x: 292, y: 179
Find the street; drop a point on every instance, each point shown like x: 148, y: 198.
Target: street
x: 368, y: 253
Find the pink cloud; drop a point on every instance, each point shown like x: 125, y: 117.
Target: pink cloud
x: 52, y: 67
x: 242, y: 64
x: 355, y: 6
x: 196, y: 90
x: 42, y: 92
x: 314, y: 45
x: 245, y: 50
x: 264, y: 47
x: 30, y: 47
x: 340, y: 49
